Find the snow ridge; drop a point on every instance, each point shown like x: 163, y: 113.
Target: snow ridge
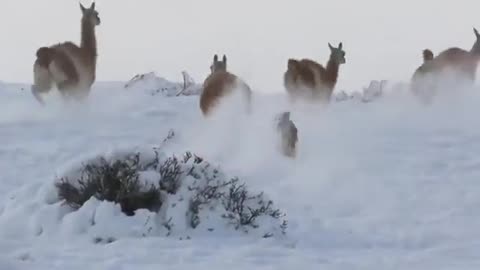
x: 155, y: 85
x: 197, y: 198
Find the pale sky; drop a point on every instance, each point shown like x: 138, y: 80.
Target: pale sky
x: 383, y: 39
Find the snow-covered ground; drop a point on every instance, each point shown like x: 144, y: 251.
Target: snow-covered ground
x: 382, y: 185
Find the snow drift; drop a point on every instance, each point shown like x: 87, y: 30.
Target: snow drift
x: 386, y: 184
x: 142, y: 192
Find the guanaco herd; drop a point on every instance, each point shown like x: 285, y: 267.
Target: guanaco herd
x: 72, y: 69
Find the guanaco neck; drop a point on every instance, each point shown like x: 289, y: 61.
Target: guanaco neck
x: 89, y: 41
x: 331, y: 73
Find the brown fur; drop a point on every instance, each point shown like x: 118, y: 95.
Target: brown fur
x: 218, y: 84
x: 298, y: 73
x: 455, y: 59
x: 307, y: 74
x: 463, y: 63
x: 44, y: 57
x: 70, y: 67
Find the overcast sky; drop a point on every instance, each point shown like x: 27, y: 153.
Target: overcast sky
x: 383, y: 39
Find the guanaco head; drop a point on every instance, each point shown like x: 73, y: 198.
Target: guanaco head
x: 337, y: 54
x: 283, y: 118
x: 90, y: 15
x: 219, y: 65
x: 427, y: 55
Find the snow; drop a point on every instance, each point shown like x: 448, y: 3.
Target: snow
x: 153, y: 84
x: 386, y: 184
x: 195, y: 197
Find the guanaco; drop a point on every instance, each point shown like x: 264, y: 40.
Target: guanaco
x: 69, y: 67
x: 221, y: 83
x: 308, y: 79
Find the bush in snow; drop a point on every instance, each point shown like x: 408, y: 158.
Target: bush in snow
x: 111, y: 180
x: 374, y: 91
x: 238, y: 207
x: 186, y: 194
x: 155, y: 85
x: 341, y: 96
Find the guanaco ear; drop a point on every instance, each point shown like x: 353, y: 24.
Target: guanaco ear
x: 215, y: 58
x: 224, y: 59
x: 330, y: 46
x: 476, y: 33
x: 340, y: 46
x: 82, y: 8
x: 92, y: 7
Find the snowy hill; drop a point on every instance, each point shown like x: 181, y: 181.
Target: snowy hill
x: 387, y: 184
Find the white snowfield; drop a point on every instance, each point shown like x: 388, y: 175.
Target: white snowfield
x: 386, y: 184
